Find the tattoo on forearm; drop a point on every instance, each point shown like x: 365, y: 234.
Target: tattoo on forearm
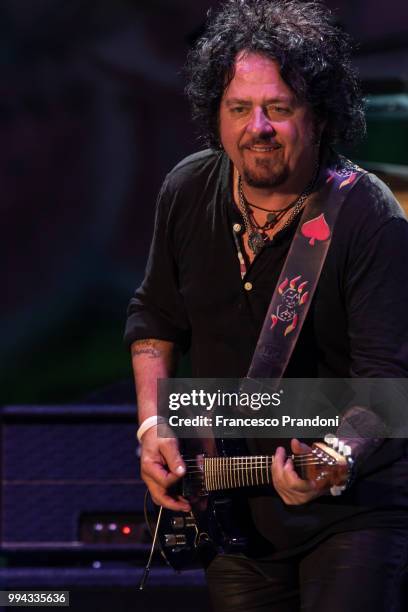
x: 146, y: 347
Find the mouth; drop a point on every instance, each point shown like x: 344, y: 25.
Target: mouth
x: 263, y: 148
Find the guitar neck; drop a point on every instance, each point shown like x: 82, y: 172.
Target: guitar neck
x: 246, y: 471
x: 233, y: 472
x: 323, y: 464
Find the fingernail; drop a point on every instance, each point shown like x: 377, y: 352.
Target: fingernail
x: 180, y: 470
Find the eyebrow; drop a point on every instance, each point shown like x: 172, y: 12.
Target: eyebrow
x: 241, y: 102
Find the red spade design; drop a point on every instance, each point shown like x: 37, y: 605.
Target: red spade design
x: 316, y: 229
x: 274, y: 321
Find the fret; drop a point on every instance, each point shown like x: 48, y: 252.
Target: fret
x: 234, y: 468
x: 230, y: 472
x: 212, y: 474
x: 239, y: 474
x: 267, y: 471
x: 223, y: 473
x: 256, y: 471
x: 247, y: 471
x: 220, y: 474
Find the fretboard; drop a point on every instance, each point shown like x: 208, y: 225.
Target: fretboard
x: 247, y: 471
x: 232, y: 472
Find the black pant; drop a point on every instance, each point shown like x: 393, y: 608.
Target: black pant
x: 355, y: 571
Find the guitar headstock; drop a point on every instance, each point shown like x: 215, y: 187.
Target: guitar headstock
x: 331, y: 464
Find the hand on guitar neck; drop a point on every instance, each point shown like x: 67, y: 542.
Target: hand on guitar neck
x: 288, y: 484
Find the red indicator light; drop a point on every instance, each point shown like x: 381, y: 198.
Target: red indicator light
x: 126, y: 530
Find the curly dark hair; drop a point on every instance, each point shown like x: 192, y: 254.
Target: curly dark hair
x: 312, y: 52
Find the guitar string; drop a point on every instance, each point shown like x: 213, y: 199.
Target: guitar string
x: 243, y: 456
x: 254, y: 457
x: 246, y: 469
x: 249, y: 465
x: 255, y: 461
x: 263, y: 463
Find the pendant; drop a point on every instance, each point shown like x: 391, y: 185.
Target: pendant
x: 255, y: 242
x: 272, y: 218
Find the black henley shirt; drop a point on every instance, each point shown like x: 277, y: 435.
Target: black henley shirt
x: 357, y: 325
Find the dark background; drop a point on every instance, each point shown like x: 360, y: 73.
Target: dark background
x: 92, y: 116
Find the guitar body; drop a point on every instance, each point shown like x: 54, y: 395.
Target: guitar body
x: 193, y: 539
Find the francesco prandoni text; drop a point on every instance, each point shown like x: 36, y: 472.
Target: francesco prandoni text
x: 281, y: 421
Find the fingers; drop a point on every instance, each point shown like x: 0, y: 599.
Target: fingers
x: 292, y: 489
x: 172, y: 457
x: 299, y: 448
x: 161, y: 467
x: 285, y: 476
x: 161, y: 497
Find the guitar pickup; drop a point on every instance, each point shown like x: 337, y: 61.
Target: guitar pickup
x: 174, y: 539
x: 180, y: 522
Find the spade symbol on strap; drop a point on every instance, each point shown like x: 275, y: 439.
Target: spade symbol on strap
x: 316, y: 229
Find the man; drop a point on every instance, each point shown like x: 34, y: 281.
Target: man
x: 272, y: 88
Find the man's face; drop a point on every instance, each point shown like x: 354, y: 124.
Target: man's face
x: 267, y: 134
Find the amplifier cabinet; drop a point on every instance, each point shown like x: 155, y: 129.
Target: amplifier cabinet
x: 63, y: 465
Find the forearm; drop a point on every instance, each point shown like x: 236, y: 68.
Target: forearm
x: 151, y: 359
x: 161, y: 462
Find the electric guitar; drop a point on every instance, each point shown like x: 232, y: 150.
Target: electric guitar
x: 192, y: 539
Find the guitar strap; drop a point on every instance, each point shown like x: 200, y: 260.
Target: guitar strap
x: 300, y: 274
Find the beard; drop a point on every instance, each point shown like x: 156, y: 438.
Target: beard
x: 264, y: 172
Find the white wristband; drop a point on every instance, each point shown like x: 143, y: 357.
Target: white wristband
x: 148, y: 424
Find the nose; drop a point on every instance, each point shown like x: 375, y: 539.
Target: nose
x: 259, y: 122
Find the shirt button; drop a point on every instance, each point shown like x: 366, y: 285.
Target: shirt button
x: 236, y: 227
x: 248, y: 286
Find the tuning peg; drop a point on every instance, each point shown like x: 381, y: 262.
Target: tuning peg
x: 346, y: 450
x: 328, y: 438
x: 335, y: 490
x: 340, y: 446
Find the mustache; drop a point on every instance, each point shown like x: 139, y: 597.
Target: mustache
x: 262, y: 141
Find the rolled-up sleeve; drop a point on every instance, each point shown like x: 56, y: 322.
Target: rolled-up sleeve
x: 157, y: 309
